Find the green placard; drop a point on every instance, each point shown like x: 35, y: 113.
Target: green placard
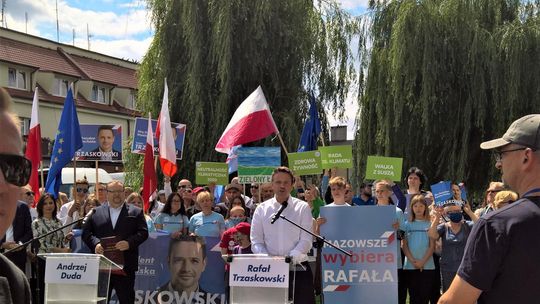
x: 336, y: 157
x: 380, y: 167
x: 305, y: 163
x: 206, y: 173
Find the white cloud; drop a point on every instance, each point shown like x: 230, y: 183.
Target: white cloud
x: 353, y: 4
x: 125, y: 48
x: 42, y: 13
x: 351, y: 108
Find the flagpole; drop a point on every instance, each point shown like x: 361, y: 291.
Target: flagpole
x: 282, y: 144
x: 97, y: 176
x: 42, y: 177
x: 75, y: 174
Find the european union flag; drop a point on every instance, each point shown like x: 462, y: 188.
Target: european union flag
x: 312, y: 128
x: 68, y: 140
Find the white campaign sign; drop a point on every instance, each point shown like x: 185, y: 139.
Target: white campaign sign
x: 259, y: 272
x: 65, y: 270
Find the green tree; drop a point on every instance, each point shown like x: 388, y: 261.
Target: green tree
x: 214, y: 53
x: 443, y: 76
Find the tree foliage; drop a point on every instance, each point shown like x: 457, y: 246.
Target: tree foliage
x: 443, y: 76
x: 214, y: 53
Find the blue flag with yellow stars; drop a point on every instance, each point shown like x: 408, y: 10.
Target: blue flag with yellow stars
x: 68, y: 140
x: 312, y: 128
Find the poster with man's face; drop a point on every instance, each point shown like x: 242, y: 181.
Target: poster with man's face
x: 141, y: 129
x: 100, y: 142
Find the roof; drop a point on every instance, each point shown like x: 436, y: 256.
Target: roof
x: 60, y: 61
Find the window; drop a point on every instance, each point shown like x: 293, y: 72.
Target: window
x: 25, y: 125
x: 61, y: 87
x: 17, y: 78
x: 132, y: 100
x: 99, y: 94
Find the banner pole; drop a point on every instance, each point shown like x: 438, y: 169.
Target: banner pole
x: 97, y: 176
x: 282, y: 144
x: 75, y: 176
x: 42, y: 176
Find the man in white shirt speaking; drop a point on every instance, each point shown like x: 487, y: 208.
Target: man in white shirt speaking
x: 280, y: 238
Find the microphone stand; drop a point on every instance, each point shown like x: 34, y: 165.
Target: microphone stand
x: 320, y: 241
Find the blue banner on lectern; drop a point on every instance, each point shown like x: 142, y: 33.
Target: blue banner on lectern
x: 370, y: 274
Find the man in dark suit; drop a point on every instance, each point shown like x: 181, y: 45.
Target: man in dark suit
x: 127, y: 226
x: 19, y: 232
x: 14, y: 173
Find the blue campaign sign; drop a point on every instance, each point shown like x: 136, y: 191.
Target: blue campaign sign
x: 442, y: 191
x: 370, y: 274
x: 100, y: 142
x: 141, y: 129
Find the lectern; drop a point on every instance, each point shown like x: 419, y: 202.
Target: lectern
x: 257, y: 278
x: 77, y: 278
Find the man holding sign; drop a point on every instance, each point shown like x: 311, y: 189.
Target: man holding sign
x: 275, y: 236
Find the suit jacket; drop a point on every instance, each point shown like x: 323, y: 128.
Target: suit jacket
x: 22, y: 232
x: 131, y: 227
x: 14, y: 287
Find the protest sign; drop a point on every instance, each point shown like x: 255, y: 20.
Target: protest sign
x: 336, y: 157
x: 370, y: 274
x: 256, y: 164
x: 139, y: 137
x: 442, y: 191
x: 380, y: 167
x: 100, y: 142
x: 207, y: 172
x: 305, y: 163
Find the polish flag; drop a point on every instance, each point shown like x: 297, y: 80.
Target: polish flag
x: 251, y: 121
x: 167, y: 150
x: 150, y: 178
x: 33, y: 147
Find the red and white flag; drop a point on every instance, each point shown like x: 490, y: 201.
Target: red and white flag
x: 251, y: 121
x: 33, y: 147
x: 150, y: 178
x: 167, y: 150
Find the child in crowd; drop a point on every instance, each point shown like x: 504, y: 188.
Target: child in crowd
x: 418, y: 248
x: 243, y: 230
x: 236, y: 216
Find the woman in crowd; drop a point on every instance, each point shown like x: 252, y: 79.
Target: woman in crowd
x: 137, y: 200
x: 206, y: 222
x: 173, y: 218
x: 312, y: 198
x: 487, y: 205
x: 418, y: 248
x: 238, y: 201
x: 383, y: 193
x: 415, y: 180
x: 504, y: 198
x: 90, y: 203
x: 453, y: 235
x: 56, y: 242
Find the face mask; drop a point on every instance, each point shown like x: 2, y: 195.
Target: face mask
x: 236, y: 220
x: 455, y: 217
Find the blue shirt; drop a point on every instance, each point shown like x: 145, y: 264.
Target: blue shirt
x: 172, y: 223
x: 207, y: 225
x: 358, y: 201
x: 416, y: 233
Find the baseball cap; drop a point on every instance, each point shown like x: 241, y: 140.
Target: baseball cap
x: 233, y: 186
x: 198, y: 189
x: 243, y: 228
x: 524, y: 131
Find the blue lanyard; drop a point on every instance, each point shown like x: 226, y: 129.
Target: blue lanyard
x: 535, y: 190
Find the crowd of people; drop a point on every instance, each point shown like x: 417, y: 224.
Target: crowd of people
x: 486, y: 255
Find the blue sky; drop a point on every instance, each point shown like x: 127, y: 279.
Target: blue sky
x: 119, y: 28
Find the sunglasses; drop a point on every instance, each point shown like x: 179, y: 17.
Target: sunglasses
x: 183, y: 186
x: 16, y: 169
x: 83, y: 190
x: 493, y: 191
x: 188, y: 191
x: 255, y: 187
x: 29, y: 193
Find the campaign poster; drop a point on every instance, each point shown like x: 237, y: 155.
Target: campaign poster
x: 256, y: 164
x: 305, y: 163
x: 369, y: 275
x: 442, y: 191
x: 100, y: 142
x: 141, y: 129
x: 380, y: 167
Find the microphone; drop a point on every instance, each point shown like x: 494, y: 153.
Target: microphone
x: 276, y: 216
x: 88, y: 215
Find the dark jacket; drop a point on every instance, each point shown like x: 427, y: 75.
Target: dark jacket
x: 14, y: 287
x: 131, y: 227
x: 22, y: 232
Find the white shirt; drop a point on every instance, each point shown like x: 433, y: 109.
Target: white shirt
x: 337, y: 205
x: 281, y: 238
x: 115, y: 213
x: 9, y: 234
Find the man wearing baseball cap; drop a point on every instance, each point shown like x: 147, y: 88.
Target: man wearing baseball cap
x: 500, y: 264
